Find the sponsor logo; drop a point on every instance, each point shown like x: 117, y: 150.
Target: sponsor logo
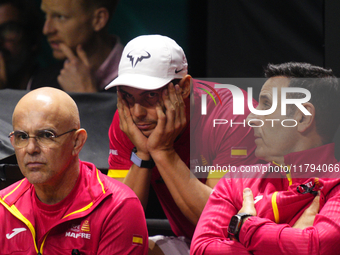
x: 86, y: 226
x: 137, y: 56
x: 75, y: 228
x: 204, y: 161
x: 80, y: 231
x: 178, y: 71
x: 76, y: 235
x: 113, y: 152
x: 257, y: 198
x: 15, y: 232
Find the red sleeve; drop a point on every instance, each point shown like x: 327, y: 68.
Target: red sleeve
x: 211, y: 235
x: 125, y: 230
x: 120, y: 147
x: 263, y: 236
x: 260, y: 235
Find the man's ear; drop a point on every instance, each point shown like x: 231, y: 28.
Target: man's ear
x: 305, y: 122
x: 80, y: 139
x: 185, y: 86
x: 100, y: 18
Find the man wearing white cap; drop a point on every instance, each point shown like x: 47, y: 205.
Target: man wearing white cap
x: 150, y: 134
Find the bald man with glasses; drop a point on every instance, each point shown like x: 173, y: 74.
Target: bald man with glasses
x: 64, y: 205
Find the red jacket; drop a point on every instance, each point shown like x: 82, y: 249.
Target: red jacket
x: 102, y: 216
x: 278, y: 205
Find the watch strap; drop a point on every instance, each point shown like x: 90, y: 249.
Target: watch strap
x: 139, y: 162
x: 236, y: 229
x: 243, y: 215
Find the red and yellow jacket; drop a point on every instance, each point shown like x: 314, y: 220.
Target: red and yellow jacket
x: 279, y: 202
x: 102, y: 216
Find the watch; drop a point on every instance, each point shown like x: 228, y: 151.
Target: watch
x: 139, y: 162
x: 236, y: 223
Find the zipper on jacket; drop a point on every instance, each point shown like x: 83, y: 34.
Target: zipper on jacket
x: 12, y: 209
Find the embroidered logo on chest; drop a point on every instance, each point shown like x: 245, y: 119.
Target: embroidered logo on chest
x: 80, y: 231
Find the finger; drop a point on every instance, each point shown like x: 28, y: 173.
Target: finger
x: 119, y: 102
x: 315, y: 205
x: 172, y: 93
x: 82, y: 55
x: 125, y: 110
x: 170, y: 109
x: 162, y: 118
x: 60, y: 79
x: 174, y: 98
x: 120, y: 106
x: 182, y: 113
x: 68, y: 52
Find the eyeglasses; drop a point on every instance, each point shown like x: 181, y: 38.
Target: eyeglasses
x: 44, y: 138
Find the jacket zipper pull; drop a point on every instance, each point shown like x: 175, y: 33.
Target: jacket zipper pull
x: 75, y: 252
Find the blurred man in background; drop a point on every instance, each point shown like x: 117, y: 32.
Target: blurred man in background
x: 77, y: 32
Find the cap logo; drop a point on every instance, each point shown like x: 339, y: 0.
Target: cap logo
x: 136, y: 56
x: 178, y: 71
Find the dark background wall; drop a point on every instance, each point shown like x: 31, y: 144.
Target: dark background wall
x: 243, y: 36
x: 234, y: 38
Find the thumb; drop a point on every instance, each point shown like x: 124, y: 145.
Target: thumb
x: 248, y: 198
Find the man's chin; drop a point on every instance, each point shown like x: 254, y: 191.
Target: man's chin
x: 58, y: 55
x: 147, y: 133
x: 259, y: 154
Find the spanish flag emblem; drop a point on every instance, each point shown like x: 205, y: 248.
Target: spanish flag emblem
x: 239, y: 152
x: 137, y: 240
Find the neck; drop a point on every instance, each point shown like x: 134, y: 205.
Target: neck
x: 305, y: 142
x: 58, y: 188
x: 98, y: 50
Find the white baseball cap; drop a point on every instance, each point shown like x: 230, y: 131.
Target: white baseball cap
x: 150, y: 62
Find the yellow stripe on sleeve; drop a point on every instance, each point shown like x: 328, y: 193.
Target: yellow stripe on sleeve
x: 117, y: 173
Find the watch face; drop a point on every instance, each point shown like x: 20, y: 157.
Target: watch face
x: 234, y: 225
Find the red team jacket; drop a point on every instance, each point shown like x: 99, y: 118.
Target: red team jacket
x: 102, y: 216
x: 278, y: 205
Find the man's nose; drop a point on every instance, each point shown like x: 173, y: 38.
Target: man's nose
x: 48, y: 26
x: 139, y: 111
x: 253, y: 120
x: 32, y: 145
